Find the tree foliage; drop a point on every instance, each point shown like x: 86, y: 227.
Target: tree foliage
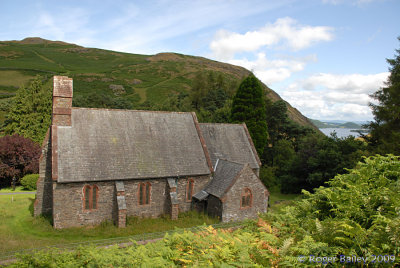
x: 18, y: 156
x: 248, y: 106
x: 30, y: 115
x: 358, y: 214
x: 385, y: 130
x: 318, y: 159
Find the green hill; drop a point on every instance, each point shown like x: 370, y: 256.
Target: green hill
x: 142, y: 80
x: 321, y: 124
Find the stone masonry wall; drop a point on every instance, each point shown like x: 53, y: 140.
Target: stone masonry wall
x: 68, y: 206
x: 231, y: 201
x: 158, y: 197
x: 44, y: 192
x: 160, y: 202
x: 199, y: 183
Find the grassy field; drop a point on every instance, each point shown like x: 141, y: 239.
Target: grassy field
x: 9, y: 190
x: 278, y: 200
x: 20, y: 230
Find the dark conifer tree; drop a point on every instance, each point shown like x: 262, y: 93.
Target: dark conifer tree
x: 385, y: 130
x: 248, y: 106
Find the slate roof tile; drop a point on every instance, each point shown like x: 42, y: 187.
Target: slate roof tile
x: 228, y: 141
x: 105, y: 144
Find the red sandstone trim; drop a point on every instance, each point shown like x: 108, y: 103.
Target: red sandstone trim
x: 189, y: 198
x: 66, y: 111
x: 244, y: 194
x: 84, y: 197
x: 54, y: 153
x: 202, y: 141
x: 252, y: 144
x: 144, y: 192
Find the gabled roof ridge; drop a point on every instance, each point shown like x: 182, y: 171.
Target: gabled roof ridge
x: 129, y: 110
x: 234, y: 162
x: 233, y: 181
x: 230, y: 124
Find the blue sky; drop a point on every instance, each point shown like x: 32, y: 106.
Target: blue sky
x: 323, y: 56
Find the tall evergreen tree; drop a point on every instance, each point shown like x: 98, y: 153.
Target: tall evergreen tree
x: 248, y: 106
x: 30, y: 116
x: 385, y: 131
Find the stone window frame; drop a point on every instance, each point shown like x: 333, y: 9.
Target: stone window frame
x: 91, y: 205
x: 246, y: 198
x: 146, y: 193
x: 189, y: 189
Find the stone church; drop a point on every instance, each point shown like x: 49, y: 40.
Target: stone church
x: 106, y: 164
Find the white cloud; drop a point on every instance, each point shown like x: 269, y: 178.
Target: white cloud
x: 333, y: 96
x: 356, y: 83
x: 276, y: 70
x: 285, y: 31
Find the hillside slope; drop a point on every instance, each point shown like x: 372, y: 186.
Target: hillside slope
x: 137, y: 78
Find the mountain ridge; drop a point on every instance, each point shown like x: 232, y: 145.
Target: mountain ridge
x: 138, y: 78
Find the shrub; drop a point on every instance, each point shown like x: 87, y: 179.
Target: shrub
x: 29, y: 181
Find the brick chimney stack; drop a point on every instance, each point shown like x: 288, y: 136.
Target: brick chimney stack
x: 62, y: 101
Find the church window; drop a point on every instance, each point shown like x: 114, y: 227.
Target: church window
x: 90, y: 197
x: 189, y: 189
x: 247, y: 197
x: 144, y: 193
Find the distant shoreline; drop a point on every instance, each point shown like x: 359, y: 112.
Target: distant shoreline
x: 342, y: 132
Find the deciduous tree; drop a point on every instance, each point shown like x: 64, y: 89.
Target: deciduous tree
x: 18, y: 156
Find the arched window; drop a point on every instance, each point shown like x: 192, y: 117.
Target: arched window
x: 189, y: 189
x: 144, y: 193
x: 247, y: 198
x: 90, y: 197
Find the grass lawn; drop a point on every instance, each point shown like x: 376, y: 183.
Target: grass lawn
x: 278, y: 200
x: 17, y: 189
x: 20, y: 230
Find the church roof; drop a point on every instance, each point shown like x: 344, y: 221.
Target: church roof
x: 105, y: 144
x: 224, y: 176
x: 231, y: 142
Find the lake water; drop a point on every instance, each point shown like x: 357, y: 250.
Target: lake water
x: 340, y: 132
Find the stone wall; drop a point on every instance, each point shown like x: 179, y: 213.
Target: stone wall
x: 68, y: 205
x: 231, y: 201
x: 44, y: 192
x: 158, y: 198
x: 199, y: 183
x: 69, y: 201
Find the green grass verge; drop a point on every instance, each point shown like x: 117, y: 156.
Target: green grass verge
x: 278, y: 200
x: 17, y: 189
x: 23, y: 231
